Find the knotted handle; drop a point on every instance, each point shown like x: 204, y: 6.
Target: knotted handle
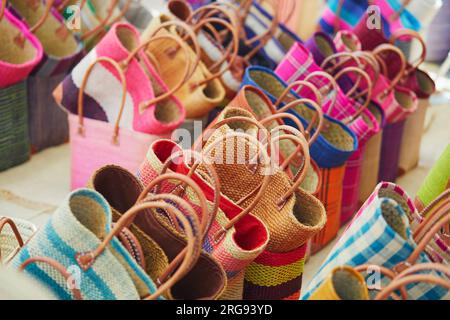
x: 8, y: 221
x: 84, y: 83
x: 86, y: 260
x: 317, y: 121
x: 401, y: 33
x: 76, y: 293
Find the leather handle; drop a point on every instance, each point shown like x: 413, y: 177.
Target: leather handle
x: 368, y: 94
x: 421, y: 246
x: 300, y: 84
x: 281, y: 116
x: 333, y: 83
x: 76, y: 293
x: 86, y: 260
x: 103, y: 23
x: 386, y: 48
x: 8, y: 221
x: 84, y: 82
x: 409, y: 279
x: 260, y: 190
x: 318, y: 119
x: 2, y: 8
x: 401, y: 33
x: 190, y: 67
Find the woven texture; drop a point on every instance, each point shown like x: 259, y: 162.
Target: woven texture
x: 241, y: 244
x: 198, y: 100
x: 16, y: 63
x: 275, y: 276
x: 14, y: 141
x: 436, y: 182
x: 104, y: 88
x: 47, y: 122
x: 78, y: 226
x: 336, y: 142
x: 8, y: 242
x: 390, y: 151
x: 380, y: 235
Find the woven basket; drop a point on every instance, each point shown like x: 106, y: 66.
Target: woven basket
x: 14, y: 142
x: 8, y: 242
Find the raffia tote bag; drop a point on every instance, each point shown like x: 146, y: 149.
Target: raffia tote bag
x: 202, y: 92
x: 333, y: 145
x: 380, y: 234
x: 80, y: 235
x: 245, y: 238
x: 48, y: 123
x: 153, y: 241
x: 437, y: 180
x: 14, y: 233
x: 345, y: 15
x: 291, y: 222
x: 149, y: 105
x: 17, y: 60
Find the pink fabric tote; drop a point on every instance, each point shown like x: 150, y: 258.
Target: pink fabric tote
x: 142, y: 111
x: 97, y: 143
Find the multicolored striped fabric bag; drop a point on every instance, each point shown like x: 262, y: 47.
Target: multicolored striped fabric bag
x: 437, y: 180
x: 242, y: 243
x: 16, y: 63
x: 345, y: 14
x: 379, y: 234
x: 78, y: 226
x: 48, y: 123
x: 334, y: 145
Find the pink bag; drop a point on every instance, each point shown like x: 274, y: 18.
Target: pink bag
x: 97, y: 143
x: 15, y: 67
x: 149, y: 105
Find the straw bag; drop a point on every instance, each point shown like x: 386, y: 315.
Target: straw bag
x: 343, y: 283
x: 211, y: 20
x: 437, y: 180
x: 96, y: 143
x: 345, y: 14
x: 291, y: 215
x: 202, y: 92
x: 159, y: 242
x: 80, y: 236
x: 13, y: 234
x: 244, y: 239
x: 254, y: 100
x: 48, y: 123
x: 380, y: 235
x: 149, y: 107
x: 332, y: 145
x: 137, y: 14
x: 17, y: 60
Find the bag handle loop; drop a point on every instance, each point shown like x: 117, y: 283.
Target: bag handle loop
x: 284, y: 115
x: 8, y: 221
x: 333, y: 84
x: 386, y: 48
x: 401, y: 33
x: 86, y: 260
x: 318, y: 120
x: 300, y: 84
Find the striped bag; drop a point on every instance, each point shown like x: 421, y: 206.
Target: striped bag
x: 291, y: 215
x: 159, y: 242
x: 80, y: 238
x: 48, y: 123
x: 345, y: 14
x: 149, y: 107
x: 335, y: 143
x: 243, y: 241
x: 437, y: 180
x: 17, y: 60
x: 380, y: 235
